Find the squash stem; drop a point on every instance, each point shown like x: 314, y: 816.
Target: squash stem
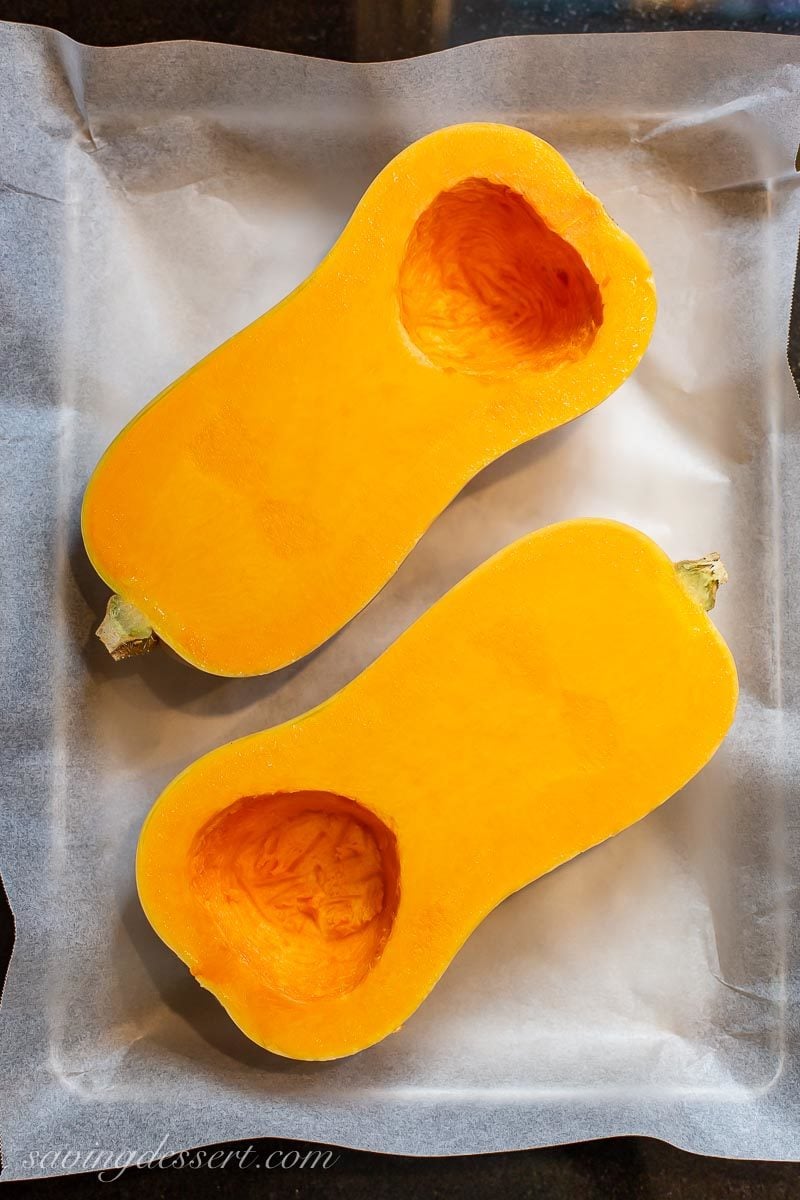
x: 124, y: 631
x: 702, y: 577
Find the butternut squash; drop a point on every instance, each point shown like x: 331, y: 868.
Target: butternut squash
x: 478, y: 297
x: 319, y: 877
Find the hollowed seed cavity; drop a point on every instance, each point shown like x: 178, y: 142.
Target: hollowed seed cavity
x: 486, y: 286
x: 304, y: 885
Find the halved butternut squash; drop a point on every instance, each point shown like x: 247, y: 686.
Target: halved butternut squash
x: 478, y: 297
x: 319, y: 877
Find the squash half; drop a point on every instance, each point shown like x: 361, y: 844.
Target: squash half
x: 478, y: 297
x: 319, y: 877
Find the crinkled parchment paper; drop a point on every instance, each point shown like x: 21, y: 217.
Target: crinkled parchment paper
x: 153, y: 200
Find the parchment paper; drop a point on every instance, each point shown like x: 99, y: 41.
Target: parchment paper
x: 155, y: 199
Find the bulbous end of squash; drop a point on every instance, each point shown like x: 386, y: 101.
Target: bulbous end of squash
x: 124, y: 631
x: 702, y: 578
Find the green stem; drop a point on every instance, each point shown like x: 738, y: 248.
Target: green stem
x: 702, y: 578
x: 124, y: 631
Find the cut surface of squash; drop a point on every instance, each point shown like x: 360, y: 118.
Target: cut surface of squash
x: 319, y: 876
x: 478, y: 297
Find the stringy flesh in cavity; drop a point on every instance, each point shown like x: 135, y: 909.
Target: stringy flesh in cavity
x: 302, y: 884
x: 487, y: 287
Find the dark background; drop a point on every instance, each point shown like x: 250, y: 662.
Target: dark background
x: 380, y: 29
x: 619, y: 1168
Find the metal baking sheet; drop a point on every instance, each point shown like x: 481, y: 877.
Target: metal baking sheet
x: 154, y: 200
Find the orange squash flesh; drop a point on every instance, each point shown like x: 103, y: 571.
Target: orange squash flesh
x: 319, y: 877
x: 478, y: 297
